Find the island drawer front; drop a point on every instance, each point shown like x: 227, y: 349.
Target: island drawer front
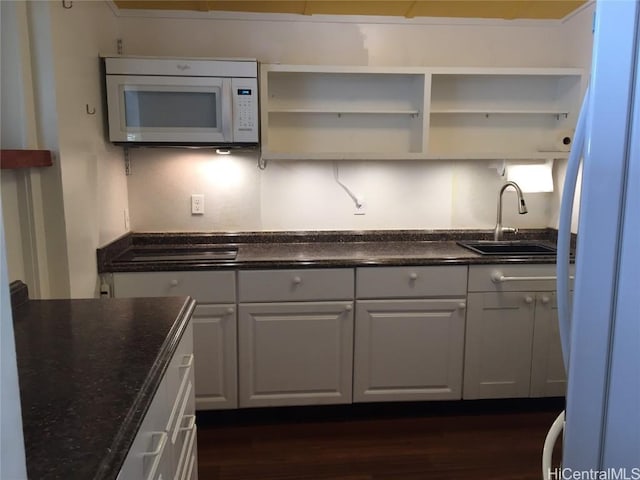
x: 514, y: 278
x: 295, y: 285
x: 204, y: 287
x: 180, y: 373
x: 408, y: 282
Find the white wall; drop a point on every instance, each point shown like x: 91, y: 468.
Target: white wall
x: 304, y: 195
x: 92, y: 186
x: 94, y: 189
x: 59, y: 215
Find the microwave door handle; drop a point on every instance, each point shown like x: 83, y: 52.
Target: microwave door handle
x: 227, y: 111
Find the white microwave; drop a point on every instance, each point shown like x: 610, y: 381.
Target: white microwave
x: 163, y: 101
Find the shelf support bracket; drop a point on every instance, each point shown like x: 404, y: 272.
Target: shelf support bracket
x: 127, y: 161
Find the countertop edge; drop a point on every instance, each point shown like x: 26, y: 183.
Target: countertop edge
x: 113, y: 461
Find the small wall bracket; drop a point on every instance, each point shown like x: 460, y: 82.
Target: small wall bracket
x: 127, y: 161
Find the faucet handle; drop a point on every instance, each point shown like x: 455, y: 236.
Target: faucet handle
x: 509, y: 230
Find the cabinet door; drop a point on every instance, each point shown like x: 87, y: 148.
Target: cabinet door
x: 408, y: 350
x: 215, y: 353
x: 548, y: 378
x: 498, y: 345
x: 295, y: 353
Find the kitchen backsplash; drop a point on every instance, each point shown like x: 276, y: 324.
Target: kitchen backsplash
x: 306, y: 196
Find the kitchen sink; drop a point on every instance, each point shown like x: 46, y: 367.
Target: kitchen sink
x: 191, y: 254
x: 508, y: 248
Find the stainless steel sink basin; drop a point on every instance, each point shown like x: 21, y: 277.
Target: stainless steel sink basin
x: 192, y: 254
x: 508, y: 248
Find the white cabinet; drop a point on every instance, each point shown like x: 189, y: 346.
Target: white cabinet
x: 512, y: 342
x: 165, y: 445
x: 548, y: 377
x: 339, y: 112
x: 293, y: 351
x: 316, y: 112
x: 214, y: 324
x: 498, y: 345
x: 503, y: 113
x: 409, y: 346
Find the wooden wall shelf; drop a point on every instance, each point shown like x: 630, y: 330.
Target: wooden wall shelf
x: 25, y: 158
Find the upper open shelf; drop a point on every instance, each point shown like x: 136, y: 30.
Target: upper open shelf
x: 332, y: 113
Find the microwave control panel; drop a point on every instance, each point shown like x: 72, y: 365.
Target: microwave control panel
x: 245, y: 109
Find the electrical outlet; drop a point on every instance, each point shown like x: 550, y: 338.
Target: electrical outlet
x: 127, y: 221
x: 197, y: 204
x: 361, y: 208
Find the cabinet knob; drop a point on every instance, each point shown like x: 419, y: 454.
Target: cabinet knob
x: 462, y: 305
x: 528, y: 299
x: 348, y: 308
x: 230, y: 310
x: 545, y: 299
x: 173, y: 282
x: 297, y: 280
x: 413, y: 276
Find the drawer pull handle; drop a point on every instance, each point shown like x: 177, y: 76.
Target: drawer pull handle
x: 230, y: 310
x: 190, y: 423
x: 157, y: 453
x: 297, y: 280
x: 413, y: 276
x: 498, y: 277
x: 161, y: 444
x: 188, y: 363
x: 545, y: 300
x: 348, y: 308
x: 462, y: 305
x: 528, y: 299
x: 174, y: 283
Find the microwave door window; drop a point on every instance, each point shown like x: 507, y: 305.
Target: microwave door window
x: 171, y: 110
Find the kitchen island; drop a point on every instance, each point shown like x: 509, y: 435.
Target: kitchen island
x: 88, y: 370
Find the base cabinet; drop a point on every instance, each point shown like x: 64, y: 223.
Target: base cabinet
x: 408, y: 350
x: 498, y: 345
x: 214, y: 324
x: 295, y: 353
x: 214, y: 328
x: 512, y: 346
x: 548, y: 377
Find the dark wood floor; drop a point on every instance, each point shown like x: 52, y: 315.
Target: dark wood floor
x: 462, y: 440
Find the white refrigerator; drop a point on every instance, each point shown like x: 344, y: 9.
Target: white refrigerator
x: 600, y: 328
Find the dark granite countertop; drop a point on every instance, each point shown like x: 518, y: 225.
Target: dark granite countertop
x: 313, y: 249
x: 88, y: 370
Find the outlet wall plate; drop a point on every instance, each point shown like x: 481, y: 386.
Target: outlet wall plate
x: 197, y: 204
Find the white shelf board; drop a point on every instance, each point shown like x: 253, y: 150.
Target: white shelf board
x: 351, y: 111
x: 487, y: 111
x: 267, y: 155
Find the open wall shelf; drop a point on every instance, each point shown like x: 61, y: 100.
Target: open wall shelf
x: 331, y: 113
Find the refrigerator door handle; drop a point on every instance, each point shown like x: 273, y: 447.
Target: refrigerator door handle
x: 564, y: 231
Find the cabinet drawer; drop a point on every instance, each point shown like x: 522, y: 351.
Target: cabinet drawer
x: 295, y: 285
x: 204, y: 287
x: 406, y: 282
x: 517, y: 278
x: 179, y: 376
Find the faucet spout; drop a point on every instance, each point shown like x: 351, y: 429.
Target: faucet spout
x: 522, y: 209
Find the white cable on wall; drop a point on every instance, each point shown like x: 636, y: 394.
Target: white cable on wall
x: 336, y: 176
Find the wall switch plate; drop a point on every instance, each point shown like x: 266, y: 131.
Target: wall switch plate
x: 197, y: 204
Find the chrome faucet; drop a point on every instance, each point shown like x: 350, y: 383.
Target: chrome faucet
x: 522, y: 209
